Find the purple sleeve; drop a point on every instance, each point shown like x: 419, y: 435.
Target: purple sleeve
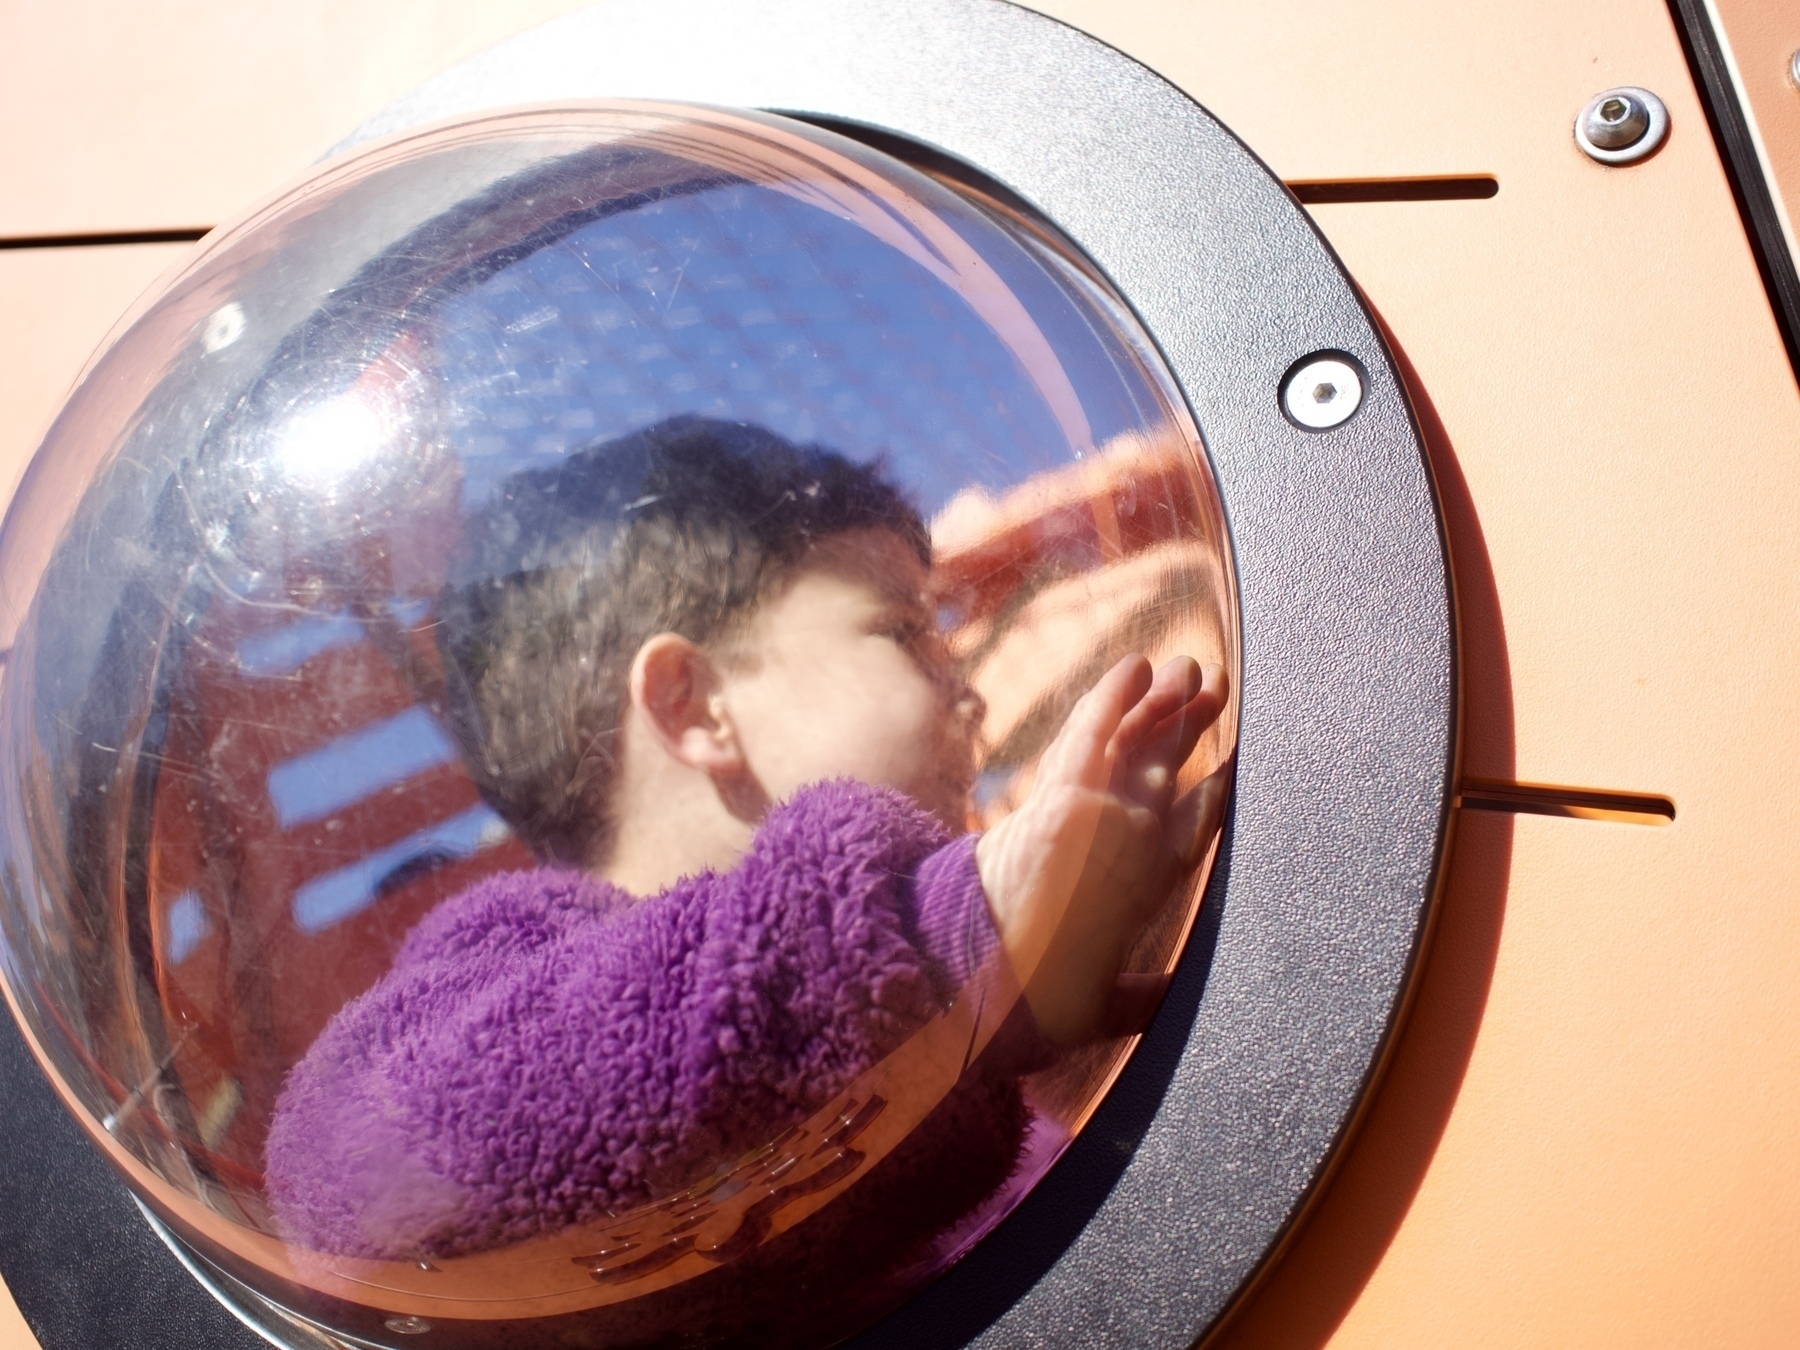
x: 957, y: 933
x: 532, y: 1063
x: 956, y: 928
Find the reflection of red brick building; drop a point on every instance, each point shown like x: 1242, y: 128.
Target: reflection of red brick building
x: 308, y: 812
x: 1050, y: 584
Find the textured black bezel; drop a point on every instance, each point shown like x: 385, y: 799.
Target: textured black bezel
x: 1227, y: 1115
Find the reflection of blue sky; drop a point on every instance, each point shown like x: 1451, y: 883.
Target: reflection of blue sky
x: 281, y: 651
x: 316, y: 784
x: 338, y: 895
x: 741, y: 302
x: 186, y: 926
x: 286, y: 649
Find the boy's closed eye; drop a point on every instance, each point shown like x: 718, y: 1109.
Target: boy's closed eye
x: 916, y: 633
x: 908, y: 632
x: 906, y: 625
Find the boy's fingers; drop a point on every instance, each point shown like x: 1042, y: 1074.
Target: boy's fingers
x: 1175, y: 736
x: 1078, y: 754
x: 1174, y: 685
x: 1149, y: 774
x: 1142, y: 769
x: 1194, y: 820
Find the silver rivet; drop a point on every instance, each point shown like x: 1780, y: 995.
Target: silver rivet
x: 1622, y: 126
x: 1794, y: 68
x: 407, y: 1326
x: 1322, y: 391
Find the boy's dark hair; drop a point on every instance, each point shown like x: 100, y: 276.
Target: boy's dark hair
x: 679, y: 528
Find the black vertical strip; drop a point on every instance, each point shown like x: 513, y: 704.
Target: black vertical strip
x: 1731, y: 133
x: 86, y: 1270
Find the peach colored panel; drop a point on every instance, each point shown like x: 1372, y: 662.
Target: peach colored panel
x: 14, y: 1334
x: 184, y: 111
x: 1623, y: 1166
x: 55, y: 307
x: 1388, y: 87
x: 1600, y: 349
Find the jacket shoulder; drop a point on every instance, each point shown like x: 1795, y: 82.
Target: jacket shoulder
x: 509, y: 912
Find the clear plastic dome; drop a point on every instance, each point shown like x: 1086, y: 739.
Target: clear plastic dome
x: 509, y: 649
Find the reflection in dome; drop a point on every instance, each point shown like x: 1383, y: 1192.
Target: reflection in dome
x: 250, y: 775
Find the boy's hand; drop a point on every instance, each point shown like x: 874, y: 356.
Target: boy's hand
x: 1075, y: 873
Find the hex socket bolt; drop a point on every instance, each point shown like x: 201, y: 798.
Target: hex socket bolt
x: 1622, y: 126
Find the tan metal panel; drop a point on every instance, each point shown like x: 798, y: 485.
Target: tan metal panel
x: 1599, y: 346
x: 181, y: 113
x: 1395, y: 88
x: 1621, y: 1165
x: 14, y: 1334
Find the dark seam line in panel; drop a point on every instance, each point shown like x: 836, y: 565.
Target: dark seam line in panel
x: 182, y: 236
x: 1447, y: 188
x: 1480, y: 794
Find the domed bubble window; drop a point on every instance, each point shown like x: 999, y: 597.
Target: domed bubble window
x: 612, y: 729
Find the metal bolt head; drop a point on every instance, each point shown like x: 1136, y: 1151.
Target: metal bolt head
x: 1614, y: 121
x: 407, y: 1326
x: 1322, y: 391
x: 1622, y: 126
x: 1794, y: 68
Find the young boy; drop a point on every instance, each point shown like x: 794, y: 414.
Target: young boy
x: 698, y: 671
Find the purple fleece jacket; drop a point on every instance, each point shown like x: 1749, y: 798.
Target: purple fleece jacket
x: 547, y: 1048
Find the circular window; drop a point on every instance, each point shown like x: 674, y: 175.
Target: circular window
x: 617, y: 724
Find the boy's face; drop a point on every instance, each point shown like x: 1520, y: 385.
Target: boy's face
x: 843, y: 674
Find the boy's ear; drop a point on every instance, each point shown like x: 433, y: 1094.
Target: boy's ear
x: 672, y: 687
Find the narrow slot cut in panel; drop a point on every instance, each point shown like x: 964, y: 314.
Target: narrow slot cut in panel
x: 1547, y: 799
x: 185, y: 235
x: 1445, y: 188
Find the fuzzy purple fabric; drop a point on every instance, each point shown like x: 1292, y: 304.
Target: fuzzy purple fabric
x: 547, y: 1048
